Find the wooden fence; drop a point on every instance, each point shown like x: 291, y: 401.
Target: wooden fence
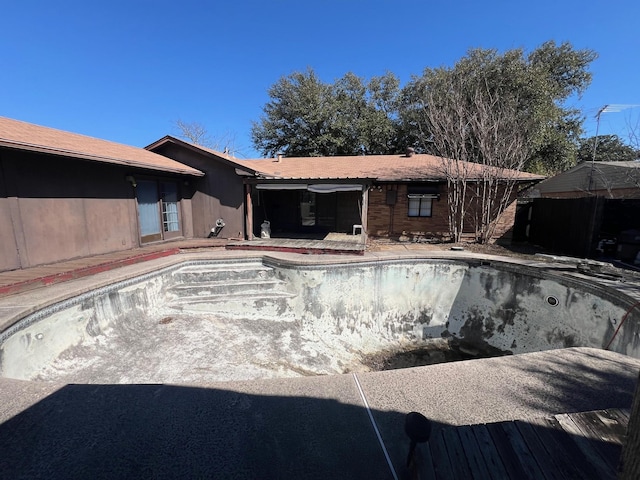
x: 575, y: 226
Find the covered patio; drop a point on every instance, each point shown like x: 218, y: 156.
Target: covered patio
x: 320, y: 211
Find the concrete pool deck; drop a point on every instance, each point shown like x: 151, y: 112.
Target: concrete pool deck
x: 339, y: 426
x: 314, y: 427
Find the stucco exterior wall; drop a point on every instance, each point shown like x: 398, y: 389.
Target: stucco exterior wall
x: 54, y: 209
x: 219, y: 194
x: 9, y: 255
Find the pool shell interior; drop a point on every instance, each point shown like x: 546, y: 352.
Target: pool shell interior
x: 246, y: 319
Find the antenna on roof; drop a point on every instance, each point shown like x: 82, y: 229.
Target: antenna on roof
x: 615, y: 108
x: 609, y: 108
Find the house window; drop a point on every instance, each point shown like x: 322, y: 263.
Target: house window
x: 420, y: 205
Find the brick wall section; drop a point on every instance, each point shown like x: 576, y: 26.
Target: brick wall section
x: 393, y: 220
x: 504, y: 230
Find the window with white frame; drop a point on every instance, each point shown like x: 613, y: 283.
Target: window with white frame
x: 420, y: 205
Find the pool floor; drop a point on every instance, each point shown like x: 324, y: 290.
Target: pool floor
x: 174, y: 348
x: 199, y: 348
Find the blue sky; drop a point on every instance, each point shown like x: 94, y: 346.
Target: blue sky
x: 127, y: 70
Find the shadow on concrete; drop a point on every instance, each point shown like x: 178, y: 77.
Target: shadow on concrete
x: 565, y: 447
x: 162, y: 431
x: 580, y: 379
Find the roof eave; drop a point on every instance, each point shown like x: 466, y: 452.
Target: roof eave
x: 261, y: 177
x: 95, y: 158
x: 168, y: 139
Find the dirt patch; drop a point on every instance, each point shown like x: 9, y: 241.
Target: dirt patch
x: 519, y: 251
x: 439, y: 351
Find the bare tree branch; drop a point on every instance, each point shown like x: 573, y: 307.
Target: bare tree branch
x: 198, y: 134
x: 194, y: 132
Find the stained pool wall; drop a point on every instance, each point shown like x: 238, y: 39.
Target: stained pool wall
x: 363, y: 306
x: 509, y: 307
x: 35, y: 341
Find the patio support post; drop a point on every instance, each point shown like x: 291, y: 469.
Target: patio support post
x: 249, y: 212
x: 364, y: 212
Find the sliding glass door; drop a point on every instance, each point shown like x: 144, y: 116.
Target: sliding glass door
x: 158, y: 210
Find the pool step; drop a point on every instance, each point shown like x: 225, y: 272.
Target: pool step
x: 226, y: 287
x: 222, y: 272
x: 271, y: 306
x: 237, y: 290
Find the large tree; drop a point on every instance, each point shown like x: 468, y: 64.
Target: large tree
x: 606, y: 148
x: 467, y: 116
x: 504, y: 112
x: 306, y: 117
x: 542, y: 82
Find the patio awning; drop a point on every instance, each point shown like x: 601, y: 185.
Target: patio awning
x: 316, y: 188
x: 281, y: 186
x: 331, y: 188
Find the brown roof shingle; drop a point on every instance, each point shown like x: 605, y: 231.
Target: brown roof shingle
x: 375, y: 167
x: 20, y: 135
x: 378, y: 167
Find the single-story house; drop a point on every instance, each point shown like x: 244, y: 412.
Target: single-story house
x: 587, y: 179
x: 65, y: 196
x: 380, y: 195
x: 388, y: 195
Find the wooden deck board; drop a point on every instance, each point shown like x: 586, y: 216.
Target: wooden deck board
x: 617, y: 432
x: 551, y: 466
x: 507, y: 454
x: 425, y: 464
x: 489, y: 452
x: 473, y: 453
x: 618, y: 414
x: 559, y: 444
x: 457, y: 455
x: 590, y: 452
x: 599, y: 436
x: 441, y: 463
x: 524, y: 455
x: 584, y: 445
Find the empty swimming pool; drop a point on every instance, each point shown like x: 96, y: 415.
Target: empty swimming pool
x: 259, y: 318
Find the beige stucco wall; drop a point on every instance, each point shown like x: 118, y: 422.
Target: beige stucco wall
x: 54, y: 209
x: 219, y: 194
